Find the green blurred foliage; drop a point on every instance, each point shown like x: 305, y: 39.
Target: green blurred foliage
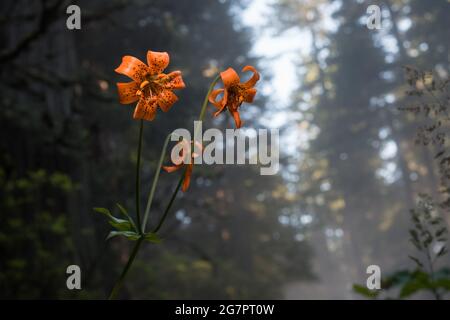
x: 34, y: 234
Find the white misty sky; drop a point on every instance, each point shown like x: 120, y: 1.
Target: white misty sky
x: 279, y: 51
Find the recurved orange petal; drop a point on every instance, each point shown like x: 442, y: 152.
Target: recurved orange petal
x: 176, y: 81
x: 224, y: 103
x: 237, y: 118
x: 213, y: 98
x: 187, y: 178
x: 249, y: 95
x: 134, y: 68
x: 229, y: 77
x: 146, y: 108
x: 252, y: 81
x: 157, y: 61
x: 127, y: 92
x: 166, y: 99
x: 170, y: 169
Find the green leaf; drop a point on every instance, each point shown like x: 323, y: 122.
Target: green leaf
x: 396, y: 279
x: 415, y: 239
x: 436, y: 220
x: 417, y: 261
x: 428, y: 238
x: 440, y: 232
x: 128, y: 234
x: 364, y: 291
x: 439, y: 154
x: 442, y: 273
x: 442, y: 251
x: 415, y: 218
x: 152, y: 237
x: 410, y: 288
x: 419, y: 281
x: 442, y: 283
x: 120, y: 224
x: 122, y: 209
x: 103, y: 211
x: 125, y: 213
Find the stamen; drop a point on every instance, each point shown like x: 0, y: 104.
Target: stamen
x: 144, y: 83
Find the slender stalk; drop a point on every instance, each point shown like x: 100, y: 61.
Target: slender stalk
x: 204, y: 105
x: 138, y: 176
x: 119, y: 282
x: 169, y: 205
x: 205, y: 101
x: 155, y: 182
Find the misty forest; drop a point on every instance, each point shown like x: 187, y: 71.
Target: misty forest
x: 364, y: 159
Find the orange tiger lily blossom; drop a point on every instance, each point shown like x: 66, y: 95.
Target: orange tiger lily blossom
x: 150, y: 86
x: 179, y: 162
x: 234, y: 92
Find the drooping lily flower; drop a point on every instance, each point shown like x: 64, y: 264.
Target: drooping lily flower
x: 179, y: 161
x: 150, y: 86
x: 234, y: 92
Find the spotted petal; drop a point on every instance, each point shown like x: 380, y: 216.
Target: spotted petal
x: 134, y: 68
x: 157, y: 61
x: 166, y: 99
x: 127, y: 92
x: 146, y: 108
x: 176, y: 81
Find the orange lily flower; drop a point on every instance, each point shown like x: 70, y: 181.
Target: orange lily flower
x: 179, y: 162
x: 234, y: 92
x: 150, y: 86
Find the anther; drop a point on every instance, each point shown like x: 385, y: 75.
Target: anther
x: 144, y: 83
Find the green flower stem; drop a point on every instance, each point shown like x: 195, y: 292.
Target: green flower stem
x: 119, y: 282
x: 138, y: 177
x: 155, y: 182
x: 172, y: 199
x: 205, y: 101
